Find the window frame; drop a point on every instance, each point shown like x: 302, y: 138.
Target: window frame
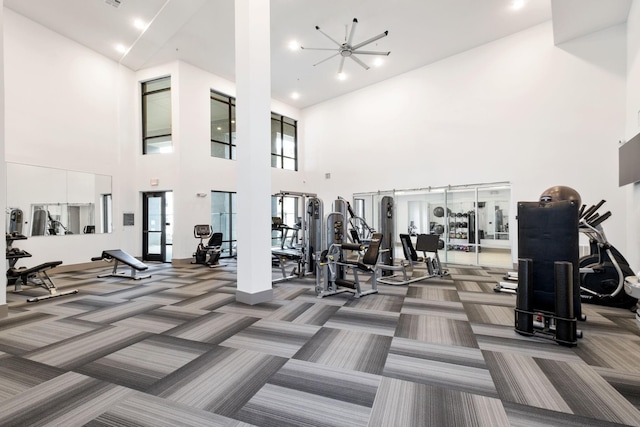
x: 281, y: 121
x: 144, y: 93
x: 230, y: 101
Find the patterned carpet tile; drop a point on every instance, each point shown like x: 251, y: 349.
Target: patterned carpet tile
x: 220, y: 381
x: 377, y: 302
x: 137, y: 291
x: 142, y: 364
x: 433, y: 293
x: 272, y: 337
x: 84, y: 348
x: 627, y: 384
x: 262, y: 310
x: 448, y: 309
x: 552, y: 385
x: 212, y: 328
x: 358, y: 388
x: 598, y: 399
x: 404, y: 403
x: 36, y: 335
x: 118, y: 312
x: 18, y: 375
x: 69, y: 399
x: 355, y: 350
x: 140, y: 409
x: 497, y: 315
x: 504, y: 339
x: 208, y: 301
x: 437, y: 330
x: 277, y: 407
x: 291, y: 311
x: 317, y: 314
x: 609, y: 351
x: 161, y: 319
x: 369, y: 321
x: 489, y: 298
x: 530, y: 416
x: 289, y: 292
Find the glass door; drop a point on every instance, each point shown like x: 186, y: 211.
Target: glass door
x: 157, y: 229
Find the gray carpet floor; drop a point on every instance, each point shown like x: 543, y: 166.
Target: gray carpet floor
x: 177, y: 350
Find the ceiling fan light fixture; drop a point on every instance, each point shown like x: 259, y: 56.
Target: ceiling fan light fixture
x: 349, y: 50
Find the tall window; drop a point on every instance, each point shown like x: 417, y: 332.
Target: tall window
x: 284, y: 147
x: 223, y: 126
x: 156, y: 116
x: 285, y: 208
x: 284, y: 138
x: 223, y: 220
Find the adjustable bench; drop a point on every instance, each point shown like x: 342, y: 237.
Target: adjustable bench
x: 120, y: 256
x: 36, y: 276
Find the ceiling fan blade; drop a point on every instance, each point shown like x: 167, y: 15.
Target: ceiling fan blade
x: 326, y: 59
x: 362, y: 64
x: 317, y: 48
x: 370, y: 52
x: 341, y: 65
x: 328, y: 36
x: 371, y: 40
x: 353, y: 30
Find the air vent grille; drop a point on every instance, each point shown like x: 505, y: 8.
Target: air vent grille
x: 114, y: 3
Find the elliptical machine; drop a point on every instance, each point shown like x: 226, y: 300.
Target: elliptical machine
x: 602, y: 272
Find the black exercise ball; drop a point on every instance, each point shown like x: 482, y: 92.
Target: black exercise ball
x: 560, y: 192
x: 438, y: 229
x: 438, y: 211
x: 440, y: 244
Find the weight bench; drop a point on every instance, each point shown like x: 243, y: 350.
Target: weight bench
x: 118, y: 256
x: 36, y: 276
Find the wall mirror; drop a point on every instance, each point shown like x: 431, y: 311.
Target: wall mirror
x: 44, y: 201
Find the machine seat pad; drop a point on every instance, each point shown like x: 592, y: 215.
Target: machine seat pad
x: 17, y: 272
x: 125, y: 258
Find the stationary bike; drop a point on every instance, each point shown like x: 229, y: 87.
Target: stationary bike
x: 602, y: 272
x: 213, y: 248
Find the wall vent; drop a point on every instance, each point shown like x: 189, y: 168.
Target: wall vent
x: 114, y: 3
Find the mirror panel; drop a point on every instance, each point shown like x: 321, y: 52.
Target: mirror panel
x: 44, y: 201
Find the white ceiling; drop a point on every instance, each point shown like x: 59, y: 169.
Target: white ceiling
x: 201, y: 32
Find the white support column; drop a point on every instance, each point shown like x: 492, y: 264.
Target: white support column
x: 253, y: 130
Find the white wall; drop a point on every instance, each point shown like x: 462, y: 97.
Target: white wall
x: 61, y: 111
x: 519, y: 109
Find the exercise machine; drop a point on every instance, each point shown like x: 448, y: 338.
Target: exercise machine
x: 548, y: 295
x: 32, y: 276
x: 118, y: 256
x: 208, y: 254
x: 405, y: 274
x: 333, y: 264
x: 298, y: 247
x: 603, y: 271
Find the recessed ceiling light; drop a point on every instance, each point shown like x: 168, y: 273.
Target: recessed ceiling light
x: 121, y: 48
x: 378, y: 62
x: 219, y: 128
x: 139, y: 24
x: 342, y: 76
x: 295, y: 95
x: 294, y: 45
x: 517, y: 4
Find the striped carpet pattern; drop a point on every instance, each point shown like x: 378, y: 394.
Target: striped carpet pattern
x: 178, y: 350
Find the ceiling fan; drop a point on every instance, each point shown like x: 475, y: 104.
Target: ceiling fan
x: 349, y: 50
